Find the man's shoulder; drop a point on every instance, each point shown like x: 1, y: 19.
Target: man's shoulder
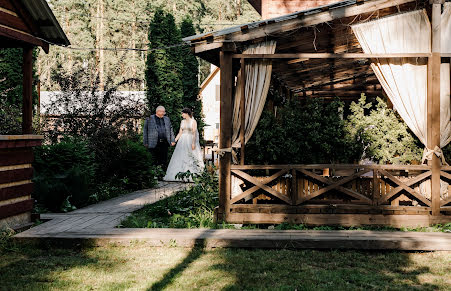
x: 166, y: 118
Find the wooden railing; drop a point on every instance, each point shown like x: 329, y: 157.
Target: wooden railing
x: 297, y: 185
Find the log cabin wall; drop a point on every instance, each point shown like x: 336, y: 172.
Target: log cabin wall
x: 16, y: 172
x: 275, y: 8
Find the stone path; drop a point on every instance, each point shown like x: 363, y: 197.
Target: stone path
x: 95, y: 225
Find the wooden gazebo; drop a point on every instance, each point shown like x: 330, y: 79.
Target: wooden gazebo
x: 318, y: 55
x: 24, y: 24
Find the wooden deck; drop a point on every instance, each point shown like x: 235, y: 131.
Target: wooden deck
x: 95, y: 225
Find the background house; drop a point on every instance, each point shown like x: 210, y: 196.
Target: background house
x: 209, y: 93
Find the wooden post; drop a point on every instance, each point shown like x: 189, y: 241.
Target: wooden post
x: 243, y: 110
x: 433, y: 104
x: 27, y: 91
x: 375, y: 187
x: 225, y: 131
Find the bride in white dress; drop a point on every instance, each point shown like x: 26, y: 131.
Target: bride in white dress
x: 187, y: 155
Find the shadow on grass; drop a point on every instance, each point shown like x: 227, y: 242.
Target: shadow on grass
x: 196, y: 252
x: 290, y: 269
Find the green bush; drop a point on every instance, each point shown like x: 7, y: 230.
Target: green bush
x: 311, y: 132
x: 133, y: 165
x: 384, y: 135
x: 64, y: 174
x: 10, y: 118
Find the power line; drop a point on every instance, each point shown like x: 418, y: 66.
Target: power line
x: 121, y: 49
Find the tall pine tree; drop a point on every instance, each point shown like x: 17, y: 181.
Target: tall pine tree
x: 190, y: 75
x: 163, y: 66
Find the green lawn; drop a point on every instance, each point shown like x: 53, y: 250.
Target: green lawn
x: 139, y: 267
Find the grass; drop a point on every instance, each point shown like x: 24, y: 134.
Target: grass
x: 139, y: 267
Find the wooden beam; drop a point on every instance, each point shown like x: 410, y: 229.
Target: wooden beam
x: 22, y: 36
x: 331, y: 56
x: 243, y: 110
x: 225, y: 133
x: 313, y: 19
x: 433, y: 109
x: 27, y: 90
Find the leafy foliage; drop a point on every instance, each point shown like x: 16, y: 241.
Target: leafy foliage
x: 311, y: 132
x: 164, y: 66
x: 189, y: 208
x: 105, y: 122
x: 10, y: 118
x: 384, y: 136
x: 63, y: 172
x: 11, y: 76
x: 189, y: 75
x: 124, y: 23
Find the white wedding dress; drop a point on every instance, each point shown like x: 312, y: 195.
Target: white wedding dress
x: 184, y: 157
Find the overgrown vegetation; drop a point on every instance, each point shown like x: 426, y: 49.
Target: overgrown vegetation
x: 94, y: 149
x: 329, y: 132
x: 190, y: 208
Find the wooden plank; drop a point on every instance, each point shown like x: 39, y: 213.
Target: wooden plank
x: 331, y: 56
x: 16, y: 175
x: 405, y: 187
x: 11, y: 33
x: 434, y: 105
x: 16, y: 191
x: 10, y: 20
x: 333, y: 185
x: 294, y: 186
x: 27, y: 90
x: 16, y: 208
x: 407, y: 183
x: 332, y: 166
x: 225, y: 133
x: 6, y: 4
x: 251, y: 190
x: 446, y: 175
x: 243, y: 109
x: 310, y: 20
x: 339, y: 219
x: 268, y: 189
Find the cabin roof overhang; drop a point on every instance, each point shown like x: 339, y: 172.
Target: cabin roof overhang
x: 29, y: 22
x: 325, y: 29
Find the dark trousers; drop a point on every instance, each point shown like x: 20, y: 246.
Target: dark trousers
x: 160, y: 153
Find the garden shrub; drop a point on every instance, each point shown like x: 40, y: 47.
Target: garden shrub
x: 311, y: 132
x: 10, y: 118
x: 133, y: 165
x: 64, y: 173
x: 384, y: 136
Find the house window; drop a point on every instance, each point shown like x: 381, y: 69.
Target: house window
x: 218, y: 92
x: 217, y: 125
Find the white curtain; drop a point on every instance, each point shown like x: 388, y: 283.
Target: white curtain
x: 258, y: 78
x: 405, y: 80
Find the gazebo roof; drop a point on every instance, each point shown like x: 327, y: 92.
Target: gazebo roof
x: 322, y: 29
x: 29, y: 22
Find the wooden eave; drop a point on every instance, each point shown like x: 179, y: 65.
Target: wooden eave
x: 326, y: 31
x: 19, y: 28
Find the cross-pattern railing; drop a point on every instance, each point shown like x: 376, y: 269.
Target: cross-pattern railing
x: 333, y: 184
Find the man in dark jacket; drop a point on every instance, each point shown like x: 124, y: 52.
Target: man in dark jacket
x: 158, y: 135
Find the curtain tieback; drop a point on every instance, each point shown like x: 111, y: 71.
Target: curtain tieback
x: 428, y: 153
x: 221, y: 152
